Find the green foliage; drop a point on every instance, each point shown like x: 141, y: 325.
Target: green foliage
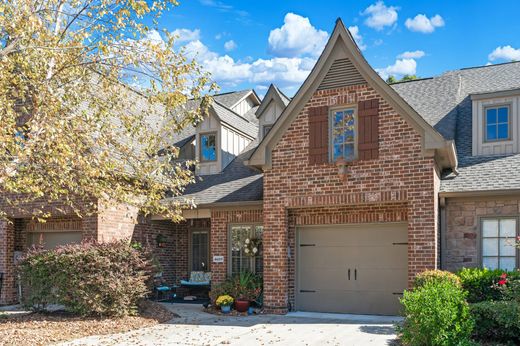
x: 88, y: 279
x: 436, y: 314
x: 434, y: 276
x: 242, y: 286
x: 497, y: 321
x: 406, y: 77
x: 480, y: 283
x: 73, y: 129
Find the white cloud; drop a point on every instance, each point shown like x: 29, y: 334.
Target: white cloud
x: 354, y: 31
x: 186, y: 35
x: 504, y: 53
x: 230, y: 45
x: 380, y: 15
x: 400, y: 68
x: 286, y: 72
x: 417, y: 54
x: 421, y: 23
x: 296, y: 37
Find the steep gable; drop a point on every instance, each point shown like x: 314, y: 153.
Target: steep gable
x: 342, y: 63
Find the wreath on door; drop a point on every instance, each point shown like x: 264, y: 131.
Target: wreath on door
x: 252, y: 246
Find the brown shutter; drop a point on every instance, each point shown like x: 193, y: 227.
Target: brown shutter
x: 318, y: 135
x: 368, y: 129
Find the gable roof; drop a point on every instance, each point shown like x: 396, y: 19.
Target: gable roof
x: 231, y: 99
x: 339, y: 46
x: 234, y: 120
x: 273, y: 93
x: 446, y: 102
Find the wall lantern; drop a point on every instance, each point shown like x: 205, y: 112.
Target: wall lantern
x: 161, y: 240
x: 342, y: 165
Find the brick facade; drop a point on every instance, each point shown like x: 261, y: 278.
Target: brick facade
x: 401, y: 184
x: 220, y: 221
x: 461, y: 247
x: 173, y: 257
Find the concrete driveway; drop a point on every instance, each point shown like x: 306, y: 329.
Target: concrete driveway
x: 195, y: 327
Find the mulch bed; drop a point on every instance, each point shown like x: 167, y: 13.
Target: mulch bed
x: 49, y: 328
x: 216, y: 311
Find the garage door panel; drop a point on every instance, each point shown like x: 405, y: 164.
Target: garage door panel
x: 375, y: 253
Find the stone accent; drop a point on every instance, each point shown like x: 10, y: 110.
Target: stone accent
x: 401, y: 184
x: 461, y: 247
x: 220, y: 221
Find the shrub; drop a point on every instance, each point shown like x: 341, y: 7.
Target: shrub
x: 497, y: 321
x: 222, y: 289
x: 436, y: 314
x: 245, y: 285
x: 89, y: 278
x: 480, y: 283
x: 434, y: 276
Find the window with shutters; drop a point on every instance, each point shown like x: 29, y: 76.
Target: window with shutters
x: 343, y: 134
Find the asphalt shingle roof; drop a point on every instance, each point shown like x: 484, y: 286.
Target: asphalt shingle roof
x: 230, y: 99
x: 236, y: 183
x: 231, y: 118
x: 445, y: 103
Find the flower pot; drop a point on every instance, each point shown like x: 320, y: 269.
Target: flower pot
x: 226, y: 309
x: 242, y: 305
x: 250, y: 310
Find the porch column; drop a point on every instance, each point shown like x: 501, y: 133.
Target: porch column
x: 276, y: 266
x: 8, y: 289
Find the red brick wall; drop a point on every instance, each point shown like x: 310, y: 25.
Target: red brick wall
x: 220, y: 221
x: 401, y: 176
x: 8, y: 294
x: 174, y: 256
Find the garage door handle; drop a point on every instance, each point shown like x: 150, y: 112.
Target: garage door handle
x: 307, y: 291
x: 349, y: 274
x: 302, y: 245
x: 355, y: 274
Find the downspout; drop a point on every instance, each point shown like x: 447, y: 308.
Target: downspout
x: 443, y: 226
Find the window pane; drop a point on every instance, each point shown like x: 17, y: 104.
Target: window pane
x: 208, y: 147
x: 507, y: 247
x: 491, y: 132
x: 338, y: 151
x: 508, y: 228
x: 490, y: 262
x: 507, y: 263
x: 491, y: 116
x: 503, y: 131
x: 503, y: 115
x: 338, y: 119
x: 490, y: 228
x: 349, y: 151
x: 490, y: 247
x: 338, y: 136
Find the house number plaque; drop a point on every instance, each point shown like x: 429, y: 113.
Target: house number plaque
x: 218, y: 259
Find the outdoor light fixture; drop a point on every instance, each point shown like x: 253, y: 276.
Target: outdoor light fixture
x: 341, y: 163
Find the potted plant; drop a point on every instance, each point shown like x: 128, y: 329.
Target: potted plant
x: 247, y: 289
x: 225, y: 302
x: 161, y: 240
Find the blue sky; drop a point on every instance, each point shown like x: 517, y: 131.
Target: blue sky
x: 250, y: 44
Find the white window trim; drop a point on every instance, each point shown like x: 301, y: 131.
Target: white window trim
x: 509, y: 122
x: 481, y: 237
x: 331, y: 125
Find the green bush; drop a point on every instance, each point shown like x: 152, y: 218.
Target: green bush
x: 436, y: 314
x: 434, y: 276
x: 245, y: 285
x: 89, y: 278
x: 479, y: 283
x: 497, y: 321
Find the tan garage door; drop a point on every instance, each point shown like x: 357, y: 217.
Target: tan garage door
x: 359, y: 269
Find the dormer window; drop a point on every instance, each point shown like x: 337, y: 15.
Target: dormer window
x: 497, y: 123
x: 208, y: 147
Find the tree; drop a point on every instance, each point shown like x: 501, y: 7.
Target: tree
x: 406, y: 77
x: 90, y: 98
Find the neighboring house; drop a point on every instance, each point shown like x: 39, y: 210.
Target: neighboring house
x: 355, y: 186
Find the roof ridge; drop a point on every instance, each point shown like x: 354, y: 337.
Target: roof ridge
x: 411, y: 80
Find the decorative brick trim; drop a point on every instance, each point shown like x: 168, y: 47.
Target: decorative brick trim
x: 347, y: 199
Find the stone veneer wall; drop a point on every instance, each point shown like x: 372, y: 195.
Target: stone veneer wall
x: 402, y: 181
x: 460, y: 245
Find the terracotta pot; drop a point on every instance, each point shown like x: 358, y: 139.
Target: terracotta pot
x: 242, y: 305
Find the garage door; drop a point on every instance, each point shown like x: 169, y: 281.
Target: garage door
x: 359, y: 269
